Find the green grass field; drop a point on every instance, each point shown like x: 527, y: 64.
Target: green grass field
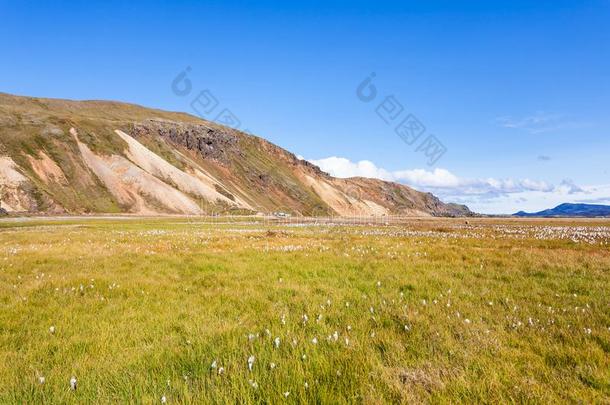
x: 429, y: 311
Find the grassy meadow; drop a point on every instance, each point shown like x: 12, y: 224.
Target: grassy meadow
x: 177, y: 311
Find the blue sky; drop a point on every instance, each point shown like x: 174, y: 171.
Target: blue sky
x: 517, y: 91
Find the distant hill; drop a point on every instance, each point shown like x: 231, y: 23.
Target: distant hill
x: 570, y: 210
x: 76, y: 157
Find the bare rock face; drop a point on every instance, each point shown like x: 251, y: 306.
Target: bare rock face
x: 16, y: 190
x: 211, y: 141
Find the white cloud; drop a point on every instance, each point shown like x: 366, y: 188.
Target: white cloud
x: 534, y: 201
x: 539, y: 122
x: 342, y: 167
x: 435, y: 179
x: 488, y: 195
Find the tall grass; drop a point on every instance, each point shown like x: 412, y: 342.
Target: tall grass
x: 143, y: 309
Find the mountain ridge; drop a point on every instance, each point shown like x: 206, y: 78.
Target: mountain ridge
x: 570, y: 210
x: 76, y: 157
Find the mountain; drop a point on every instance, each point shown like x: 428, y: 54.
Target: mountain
x: 571, y: 210
x: 78, y: 157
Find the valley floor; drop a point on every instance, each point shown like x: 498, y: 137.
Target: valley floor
x: 232, y: 310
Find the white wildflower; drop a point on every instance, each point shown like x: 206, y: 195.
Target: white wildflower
x: 52, y: 330
x: 276, y: 342
x: 286, y: 394
x: 314, y: 340
x: 41, y: 380
x: 73, y: 383
x: 250, y: 362
x: 163, y: 399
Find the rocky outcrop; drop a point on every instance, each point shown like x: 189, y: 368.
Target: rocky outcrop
x: 211, y: 141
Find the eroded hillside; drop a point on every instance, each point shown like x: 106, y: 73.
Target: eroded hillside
x: 76, y: 157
